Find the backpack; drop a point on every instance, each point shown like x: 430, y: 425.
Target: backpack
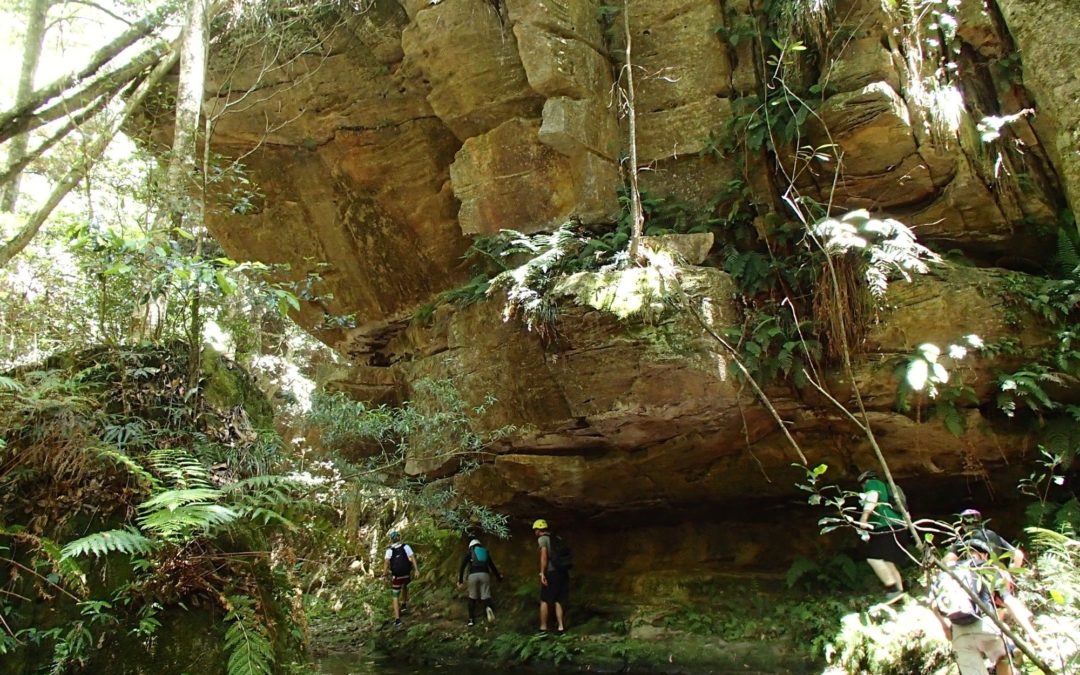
x: 399, y: 561
x: 952, y: 602
x: 562, y: 558
x: 480, y: 556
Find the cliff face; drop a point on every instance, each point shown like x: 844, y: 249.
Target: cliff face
x: 428, y: 122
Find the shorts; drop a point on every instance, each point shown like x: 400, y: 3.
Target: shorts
x: 888, y: 545
x: 975, y: 644
x: 557, y: 589
x: 479, y: 586
x: 398, y: 584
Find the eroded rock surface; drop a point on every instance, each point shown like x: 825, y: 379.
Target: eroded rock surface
x: 430, y: 122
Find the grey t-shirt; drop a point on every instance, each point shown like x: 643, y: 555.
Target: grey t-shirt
x: 544, y: 541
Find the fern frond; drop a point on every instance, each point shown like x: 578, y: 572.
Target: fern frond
x: 265, y: 516
x: 184, y: 520
x: 9, y: 384
x: 247, y: 640
x: 173, y: 499
x: 101, y: 543
x: 179, y: 467
x: 133, y: 467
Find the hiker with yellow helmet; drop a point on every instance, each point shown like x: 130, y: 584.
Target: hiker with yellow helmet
x: 555, y: 564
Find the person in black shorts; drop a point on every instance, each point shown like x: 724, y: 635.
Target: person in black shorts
x: 554, y: 582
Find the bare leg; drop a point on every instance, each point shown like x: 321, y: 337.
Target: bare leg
x: 559, y: 616
x: 887, y: 573
x: 405, y: 595
x: 543, y: 615
x: 397, y: 608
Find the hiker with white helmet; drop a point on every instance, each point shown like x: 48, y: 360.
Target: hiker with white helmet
x: 481, y: 567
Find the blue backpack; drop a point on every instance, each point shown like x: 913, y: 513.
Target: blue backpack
x: 479, y: 556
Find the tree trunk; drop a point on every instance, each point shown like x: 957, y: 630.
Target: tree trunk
x: 637, y: 218
x: 35, y: 37
x: 184, y: 200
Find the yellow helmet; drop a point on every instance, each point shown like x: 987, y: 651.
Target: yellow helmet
x: 540, y: 524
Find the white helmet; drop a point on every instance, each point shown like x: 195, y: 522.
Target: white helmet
x: 474, y: 542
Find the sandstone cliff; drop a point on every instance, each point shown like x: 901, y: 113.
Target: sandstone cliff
x: 428, y: 122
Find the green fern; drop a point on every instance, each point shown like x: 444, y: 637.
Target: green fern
x: 179, y: 467
x: 133, y: 467
x: 101, y: 543
x: 9, y: 384
x: 247, y: 640
x: 174, y: 499
x: 184, y: 521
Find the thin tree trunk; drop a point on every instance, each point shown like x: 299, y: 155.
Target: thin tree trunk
x: 16, y: 244
x: 182, y: 163
x: 189, y: 98
x: 35, y: 37
x: 133, y: 34
x: 637, y: 219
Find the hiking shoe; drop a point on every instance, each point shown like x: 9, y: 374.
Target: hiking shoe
x: 490, y: 615
x: 404, y: 609
x: 397, y: 623
x: 471, y: 623
x: 893, y: 596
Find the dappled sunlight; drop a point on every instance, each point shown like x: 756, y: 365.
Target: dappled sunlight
x: 623, y: 293
x: 887, y: 640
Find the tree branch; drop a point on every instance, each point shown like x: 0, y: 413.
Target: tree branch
x: 16, y: 244
x: 108, y: 84
x: 136, y: 32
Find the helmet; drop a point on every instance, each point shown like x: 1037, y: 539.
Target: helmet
x: 474, y: 542
x: 867, y: 475
x: 970, y: 514
x: 395, y: 535
x: 540, y: 524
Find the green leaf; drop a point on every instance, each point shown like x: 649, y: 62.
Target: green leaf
x: 101, y: 543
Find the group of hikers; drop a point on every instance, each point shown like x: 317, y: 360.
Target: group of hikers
x: 555, y: 558
x: 977, y: 563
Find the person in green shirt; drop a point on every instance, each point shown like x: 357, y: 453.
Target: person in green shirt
x: 883, y: 534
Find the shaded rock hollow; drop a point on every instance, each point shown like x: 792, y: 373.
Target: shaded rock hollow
x: 428, y: 123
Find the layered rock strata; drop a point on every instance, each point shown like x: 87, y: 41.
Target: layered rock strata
x: 428, y: 122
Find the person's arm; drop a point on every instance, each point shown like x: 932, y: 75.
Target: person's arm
x: 386, y: 563
x: 412, y: 560
x: 543, y: 564
x: 870, y: 501
x: 1016, y: 556
x: 946, y: 625
x: 1016, y: 608
x: 491, y: 566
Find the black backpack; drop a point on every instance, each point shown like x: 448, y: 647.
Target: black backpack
x: 399, y: 561
x: 562, y: 558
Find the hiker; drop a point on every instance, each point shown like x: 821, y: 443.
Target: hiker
x: 400, y: 562
x: 884, y: 534
x: 975, y: 638
x: 971, y: 525
x: 974, y: 538
x: 481, y: 567
x: 555, y: 567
